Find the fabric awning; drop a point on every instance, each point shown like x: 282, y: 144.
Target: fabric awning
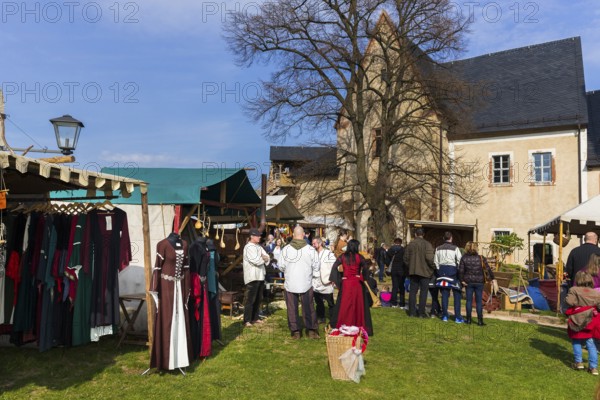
x: 29, y: 176
x: 187, y: 186
x: 281, y: 208
x: 578, y: 220
x: 327, y: 220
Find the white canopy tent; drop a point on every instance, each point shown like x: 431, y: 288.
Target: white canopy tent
x: 583, y: 218
x: 327, y: 220
x: 281, y: 208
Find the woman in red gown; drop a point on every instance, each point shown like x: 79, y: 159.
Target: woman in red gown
x: 349, y: 273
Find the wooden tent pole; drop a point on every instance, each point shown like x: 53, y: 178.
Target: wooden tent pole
x: 559, y: 267
x: 147, y: 263
x: 542, y: 266
x: 187, y: 218
x: 529, y: 260
x: 3, y: 141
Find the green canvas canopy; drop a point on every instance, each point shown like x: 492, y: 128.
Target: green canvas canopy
x: 186, y: 186
x: 189, y: 185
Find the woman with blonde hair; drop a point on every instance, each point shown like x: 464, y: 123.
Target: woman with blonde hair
x: 471, y: 270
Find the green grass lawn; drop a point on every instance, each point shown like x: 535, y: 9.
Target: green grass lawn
x: 407, y: 358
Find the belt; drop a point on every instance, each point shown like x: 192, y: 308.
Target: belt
x: 171, y: 278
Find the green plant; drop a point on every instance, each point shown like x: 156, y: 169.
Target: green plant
x: 505, y: 245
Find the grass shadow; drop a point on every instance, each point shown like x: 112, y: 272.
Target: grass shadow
x: 61, y: 368
x: 559, y: 333
x: 551, y: 350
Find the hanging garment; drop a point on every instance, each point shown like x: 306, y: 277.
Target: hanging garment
x: 212, y: 280
x: 46, y: 285
x: 80, y: 272
x: 200, y: 332
x: 26, y: 292
x: 109, y: 237
x: 170, y: 287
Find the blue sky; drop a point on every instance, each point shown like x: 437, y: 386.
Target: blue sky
x: 155, y: 85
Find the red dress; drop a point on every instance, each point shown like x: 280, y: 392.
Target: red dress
x: 351, y: 304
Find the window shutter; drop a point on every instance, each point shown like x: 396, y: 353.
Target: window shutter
x: 510, y: 172
x: 553, y: 166
x: 491, y: 171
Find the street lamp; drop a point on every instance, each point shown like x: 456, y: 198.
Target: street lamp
x: 66, y: 129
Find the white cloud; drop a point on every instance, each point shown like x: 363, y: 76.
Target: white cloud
x: 137, y: 158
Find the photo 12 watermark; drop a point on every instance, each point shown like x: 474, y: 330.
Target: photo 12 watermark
x: 494, y: 12
x: 71, y: 92
x: 231, y: 92
x: 69, y: 12
x: 219, y: 11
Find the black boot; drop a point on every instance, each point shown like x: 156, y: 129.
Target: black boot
x: 480, y: 321
x: 468, y: 320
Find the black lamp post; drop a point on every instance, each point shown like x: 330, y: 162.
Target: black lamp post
x: 66, y: 129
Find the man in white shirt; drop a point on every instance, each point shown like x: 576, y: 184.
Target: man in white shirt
x: 446, y: 259
x: 255, y: 258
x: 323, y: 288
x: 300, y: 263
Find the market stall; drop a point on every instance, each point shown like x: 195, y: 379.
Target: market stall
x: 25, y: 186
x: 578, y: 220
x: 175, y: 195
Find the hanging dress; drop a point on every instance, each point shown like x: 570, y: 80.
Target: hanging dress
x: 200, y: 331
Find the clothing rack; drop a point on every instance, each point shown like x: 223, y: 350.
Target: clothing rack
x: 39, y: 200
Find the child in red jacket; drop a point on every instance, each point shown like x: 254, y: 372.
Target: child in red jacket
x: 584, y: 320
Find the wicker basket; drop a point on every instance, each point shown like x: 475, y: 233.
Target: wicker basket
x: 336, y: 346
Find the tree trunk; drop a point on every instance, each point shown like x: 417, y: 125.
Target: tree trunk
x: 384, y: 226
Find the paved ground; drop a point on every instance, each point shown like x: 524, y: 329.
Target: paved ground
x: 526, y: 317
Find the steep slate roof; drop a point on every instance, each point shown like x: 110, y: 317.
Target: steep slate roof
x: 317, y: 161
x: 528, y: 88
x: 593, y: 132
x: 302, y: 153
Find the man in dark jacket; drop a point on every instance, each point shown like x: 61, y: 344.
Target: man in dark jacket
x: 395, y: 258
x: 580, y: 256
x: 418, y: 256
x: 381, y: 258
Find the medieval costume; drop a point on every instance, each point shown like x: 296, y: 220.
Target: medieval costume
x: 354, y: 300
x: 212, y: 283
x: 79, y: 271
x: 112, y: 253
x: 198, y: 306
x: 63, y: 274
x: 170, y: 288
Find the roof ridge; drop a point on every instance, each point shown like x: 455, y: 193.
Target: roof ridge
x: 513, y: 50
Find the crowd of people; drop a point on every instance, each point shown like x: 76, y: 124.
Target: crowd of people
x: 425, y: 271
x: 312, y: 269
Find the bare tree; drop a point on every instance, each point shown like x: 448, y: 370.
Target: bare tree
x: 371, y: 69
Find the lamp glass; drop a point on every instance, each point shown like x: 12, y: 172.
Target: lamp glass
x: 67, y: 131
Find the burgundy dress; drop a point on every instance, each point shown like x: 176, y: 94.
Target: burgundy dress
x: 352, y: 306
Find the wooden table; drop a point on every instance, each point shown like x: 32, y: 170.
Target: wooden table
x: 127, y: 327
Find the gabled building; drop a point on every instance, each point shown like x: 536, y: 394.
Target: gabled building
x: 529, y: 141
x: 534, y: 142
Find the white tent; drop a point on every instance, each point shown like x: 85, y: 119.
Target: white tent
x: 281, y: 208
x: 330, y: 221
x: 578, y: 220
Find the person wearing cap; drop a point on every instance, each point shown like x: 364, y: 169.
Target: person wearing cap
x: 255, y: 258
x: 300, y: 264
